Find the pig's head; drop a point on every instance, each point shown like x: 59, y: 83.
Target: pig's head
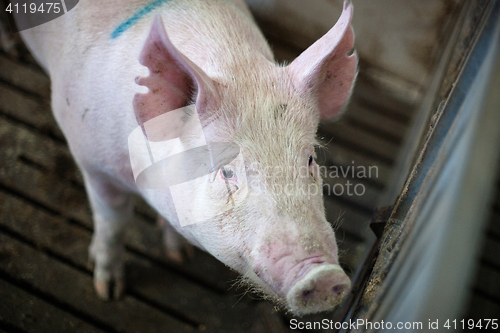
x: 274, y: 230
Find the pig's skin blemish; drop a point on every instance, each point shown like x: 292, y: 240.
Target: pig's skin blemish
x: 136, y: 17
x: 221, y: 85
x: 84, y: 113
x: 67, y: 101
x: 280, y: 109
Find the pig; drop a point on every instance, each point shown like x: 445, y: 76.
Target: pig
x: 116, y: 66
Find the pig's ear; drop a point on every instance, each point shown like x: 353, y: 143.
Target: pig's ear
x: 325, y: 70
x: 173, y: 79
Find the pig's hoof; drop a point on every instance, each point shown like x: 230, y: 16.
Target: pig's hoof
x: 182, y: 254
x: 108, y: 290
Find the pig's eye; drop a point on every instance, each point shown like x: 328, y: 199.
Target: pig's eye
x: 312, y: 167
x: 228, y: 173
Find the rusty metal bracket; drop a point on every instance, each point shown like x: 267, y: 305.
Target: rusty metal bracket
x: 379, y: 220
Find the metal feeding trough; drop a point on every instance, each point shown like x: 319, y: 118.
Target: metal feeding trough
x: 422, y: 265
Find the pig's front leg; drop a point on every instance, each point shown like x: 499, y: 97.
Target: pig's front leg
x: 177, y: 247
x: 112, y: 211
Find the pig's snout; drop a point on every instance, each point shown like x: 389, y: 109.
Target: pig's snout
x: 321, y: 289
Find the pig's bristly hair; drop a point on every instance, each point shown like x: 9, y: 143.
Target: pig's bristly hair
x: 266, y: 293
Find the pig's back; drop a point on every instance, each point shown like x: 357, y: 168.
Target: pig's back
x: 105, y: 24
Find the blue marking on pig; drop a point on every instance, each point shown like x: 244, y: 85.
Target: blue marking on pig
x: 137, y: 16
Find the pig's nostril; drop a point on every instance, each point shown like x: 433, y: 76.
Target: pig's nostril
x: 307, y: 294
x: 339, y: 289
x: 321, y: 289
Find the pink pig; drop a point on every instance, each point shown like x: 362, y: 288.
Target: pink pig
x: 116, y: 65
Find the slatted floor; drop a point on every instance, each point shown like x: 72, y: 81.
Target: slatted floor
x: 45, y: 226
